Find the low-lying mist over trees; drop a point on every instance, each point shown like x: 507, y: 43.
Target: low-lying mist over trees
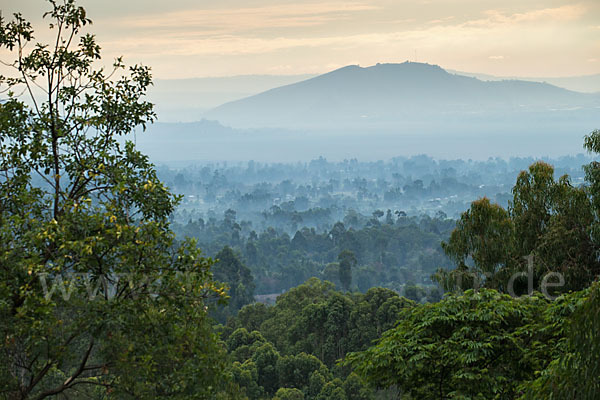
x: 318, y: 193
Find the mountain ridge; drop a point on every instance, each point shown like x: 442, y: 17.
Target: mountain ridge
x: 579, y: 83
x: 390, y: 95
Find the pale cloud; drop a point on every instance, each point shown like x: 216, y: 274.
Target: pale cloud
x: 244, y: 19
x: 303, y: 37
x: 497, y: 25
x: 187, y: 45
x: 441, y: 20
x: 246, y: 30
x: 279, y: 69
x: 546, y: 15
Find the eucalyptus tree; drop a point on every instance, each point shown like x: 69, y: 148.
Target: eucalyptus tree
x: 547, y: 237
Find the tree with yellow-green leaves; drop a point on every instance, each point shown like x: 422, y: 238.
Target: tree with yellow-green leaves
x: 96, y: 299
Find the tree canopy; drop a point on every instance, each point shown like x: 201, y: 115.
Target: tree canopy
x: 550, y: 228
x: 483, y: 343
x: 96, y: 298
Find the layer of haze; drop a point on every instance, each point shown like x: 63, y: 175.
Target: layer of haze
x: 186, y: 38
x: 256, y: 45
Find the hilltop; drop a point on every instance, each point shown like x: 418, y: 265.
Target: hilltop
x: 394, y: 95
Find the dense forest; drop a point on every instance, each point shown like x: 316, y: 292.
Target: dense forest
x: 106, y: 293
x: 388, y: 253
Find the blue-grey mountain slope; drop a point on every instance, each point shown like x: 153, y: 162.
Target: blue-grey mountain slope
x: 184, y: 100
x: 406, y: 97
x: 580, y: 83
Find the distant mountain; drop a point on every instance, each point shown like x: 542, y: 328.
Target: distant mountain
x: 407, y: 96
x: 583, y: 83
x: 184, y: 100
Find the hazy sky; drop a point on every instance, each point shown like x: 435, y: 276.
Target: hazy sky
x: 185, y: 38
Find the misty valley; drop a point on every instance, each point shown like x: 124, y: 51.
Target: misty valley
x: 289, y: 222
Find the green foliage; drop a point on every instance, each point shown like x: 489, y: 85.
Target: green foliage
x: 332, y: 391
x: 294, y: 371
x: 466, y: 346
x: 315, y: 319
x: 347, y: 261
x: 230, y: 270
x: 241, y: 344
x: 549, y: 223
x: 265, y: 357
x: 288, y: 394
x: 355, y: 388
x: 478, y: 345
x: 386, y: 255
x: 378, y: 311
x: 414, y: 292
x: 484, y: 235
x: 246, y: 376
x: 483, y: 344
x: 574, y: 372
x: 95, y: 296
x: 253, y: 315
x: 310, y: 328
x: 315, y: 384
x: 592, y: 176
